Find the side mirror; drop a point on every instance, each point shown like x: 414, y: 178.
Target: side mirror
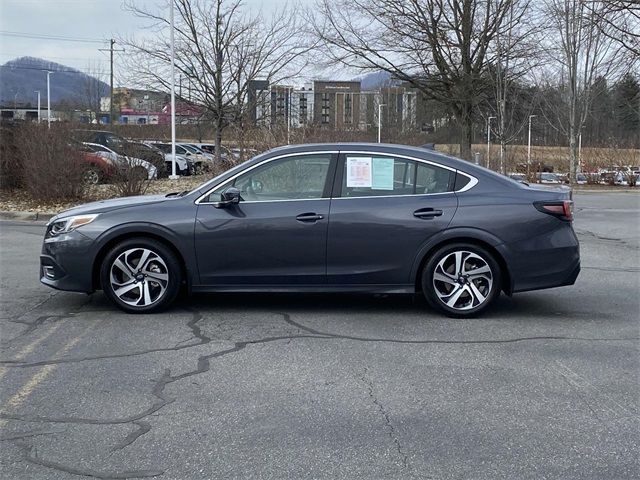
x: 229, y: 196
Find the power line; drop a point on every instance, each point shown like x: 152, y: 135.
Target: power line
x: 42, y: 36
x: 53, y: 69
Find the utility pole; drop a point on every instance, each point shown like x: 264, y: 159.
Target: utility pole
x: 112, y: 42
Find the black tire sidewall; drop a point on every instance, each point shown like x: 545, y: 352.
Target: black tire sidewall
x: 427, y: 280
x: 173, y: 267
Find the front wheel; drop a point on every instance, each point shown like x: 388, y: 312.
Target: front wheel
x: 461, y: 280
x: 140, y: 275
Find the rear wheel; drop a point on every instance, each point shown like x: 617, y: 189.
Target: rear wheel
x: 461, y: 280
x: 140, y: 275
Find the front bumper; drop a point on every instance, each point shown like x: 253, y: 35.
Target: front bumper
x: 66, y: 262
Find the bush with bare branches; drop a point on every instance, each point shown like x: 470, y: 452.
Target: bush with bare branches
x: 52, y: 167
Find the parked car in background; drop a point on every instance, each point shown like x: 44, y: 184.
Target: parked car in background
x: 122, y: 162
x: 548, y: 178
x: 150, y: 154
x: 185, y: 164
x: 98, y: 168
x: 581, y: 179
x: 518, y: 177
x: 197, y: 150
x: 324, y: 218
x: 225, y: 153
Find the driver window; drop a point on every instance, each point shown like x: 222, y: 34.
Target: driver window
x: 291, y: 178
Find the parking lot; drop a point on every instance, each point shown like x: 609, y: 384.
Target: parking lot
x: 319, y: 386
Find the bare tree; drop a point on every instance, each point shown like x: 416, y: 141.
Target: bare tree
x: 582, y: 52
x: 441, y: 47
x: 220, y: 49
x: 620, y: 21
x: 516, y: 56
x: 94, y: 89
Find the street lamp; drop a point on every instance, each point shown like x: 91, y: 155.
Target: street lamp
x: 529, y: 148
x: 38, y: 92
x: 489, y: 138
x: 380, y: 119
x: 173, y: 175
x: 48, y: 100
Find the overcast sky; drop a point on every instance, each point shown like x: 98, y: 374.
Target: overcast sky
x: 87, y: 19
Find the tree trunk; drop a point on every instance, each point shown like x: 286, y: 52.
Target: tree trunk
x: 466, y: 135
x: 219, y: 142
x: 573, y: 155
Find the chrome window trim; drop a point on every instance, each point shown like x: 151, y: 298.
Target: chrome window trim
x: 473, y: 181
x: 200, y: 199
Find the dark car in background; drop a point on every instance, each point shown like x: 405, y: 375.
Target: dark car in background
x: 324, y: 218
x: 126, y: 148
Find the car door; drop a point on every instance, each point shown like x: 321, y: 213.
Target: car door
x: 384, y: 209
x: 277, y: 233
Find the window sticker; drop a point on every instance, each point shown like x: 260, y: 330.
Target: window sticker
x: 382, y: 174
x: 359, y: 172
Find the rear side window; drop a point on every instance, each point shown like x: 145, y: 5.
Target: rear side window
x: 366, y: 176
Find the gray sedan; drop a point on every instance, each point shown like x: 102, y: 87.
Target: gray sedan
x: 324, y: 218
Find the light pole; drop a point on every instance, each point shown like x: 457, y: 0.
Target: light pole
x: 380, y: 119
x: 38, y: 92
x: 579, y: 169
x: 529, y: 148
x: 173, y: 100
x: 489, y: 138
x: 48, y: 100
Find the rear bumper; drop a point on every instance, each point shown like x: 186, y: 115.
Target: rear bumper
x: 549, y: 260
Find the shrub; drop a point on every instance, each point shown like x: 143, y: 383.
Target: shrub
x: 11, y: 168
x: 132, y: 177
x: 53, y: 167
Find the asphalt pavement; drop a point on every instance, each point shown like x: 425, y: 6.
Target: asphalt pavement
x: 327, y: 386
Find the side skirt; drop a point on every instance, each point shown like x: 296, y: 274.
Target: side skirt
x: 306, y: 288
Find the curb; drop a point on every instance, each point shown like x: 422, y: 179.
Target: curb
x: 27, y: 216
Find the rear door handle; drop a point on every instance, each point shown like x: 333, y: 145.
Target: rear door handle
x: 309, y: 217
x: 427, y: 213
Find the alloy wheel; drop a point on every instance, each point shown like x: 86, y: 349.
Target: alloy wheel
x: 462, y: 280
x: 139, y: 277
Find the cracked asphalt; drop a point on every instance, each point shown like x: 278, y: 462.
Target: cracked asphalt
x: 320, y: 386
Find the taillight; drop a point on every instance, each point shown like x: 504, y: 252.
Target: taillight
x: 562, y: 209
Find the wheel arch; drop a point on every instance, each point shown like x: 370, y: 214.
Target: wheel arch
x: 118, y: 237
x: 482, y: 239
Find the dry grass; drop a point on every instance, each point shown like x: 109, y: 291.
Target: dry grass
x: 558, y: 157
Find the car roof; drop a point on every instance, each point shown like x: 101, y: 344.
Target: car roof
x: 391, y: 148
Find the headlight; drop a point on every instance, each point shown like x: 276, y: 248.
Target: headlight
x: 68, y: 224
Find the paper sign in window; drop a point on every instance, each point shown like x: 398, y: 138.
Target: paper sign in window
x: 359, y: 172
x: 382, y: 174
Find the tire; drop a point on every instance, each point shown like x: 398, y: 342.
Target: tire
x: 92, y: 176
x: 149, y: 289
x: 461, y: 294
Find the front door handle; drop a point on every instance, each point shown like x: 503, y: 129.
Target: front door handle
x: 309, y: 217
x: 427, y: 213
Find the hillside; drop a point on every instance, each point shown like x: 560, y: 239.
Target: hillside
x: 24, y: 75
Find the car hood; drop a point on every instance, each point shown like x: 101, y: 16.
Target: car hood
x: 113, y: 204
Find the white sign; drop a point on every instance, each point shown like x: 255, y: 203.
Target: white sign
x: 359, y: 172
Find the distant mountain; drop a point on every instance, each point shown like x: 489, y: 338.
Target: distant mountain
x: 24, y: 75
x: 374, y: 80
